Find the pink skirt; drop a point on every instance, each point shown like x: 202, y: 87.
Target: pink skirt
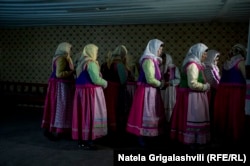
x: 57, y: 115
x: 190, y: 119
x: 89, y: 114
x: 146, y: 117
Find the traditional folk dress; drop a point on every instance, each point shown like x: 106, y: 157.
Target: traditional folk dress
x: 57, y: 116
x: 212, y: 75
x: 229, y: 110
x: 147, y: 116
x: 190, y: 118
x: 89, y: 112
x: 115, y: 95
x: 171, y: 75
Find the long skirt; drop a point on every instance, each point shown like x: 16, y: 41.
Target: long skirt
x: 57, y: 115
x: 190, y: 118
x: 89, y: 114
x: 111, y: 97
x: 146, y: 117
x: 229, y: 112
x: 131, y: 88
x: 169, y: 99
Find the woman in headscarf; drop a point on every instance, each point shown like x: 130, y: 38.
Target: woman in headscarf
x: 229, y: 110
x: 146, y: 117
x: 171, y: 75
x: 190, y: 118
x: 212, y: 74
x: 89, y: 112
x: 116, y: 74
x: 57, y: 115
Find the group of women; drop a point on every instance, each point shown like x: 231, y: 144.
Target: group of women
x: 89, y: 101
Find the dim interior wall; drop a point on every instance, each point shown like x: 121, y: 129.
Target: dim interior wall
x: 26, y: 53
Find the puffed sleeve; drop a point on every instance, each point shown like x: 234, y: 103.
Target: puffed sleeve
x: 149, y: 70
x: 61, y: 64
x: 192, y: 75
x: 94, y: 73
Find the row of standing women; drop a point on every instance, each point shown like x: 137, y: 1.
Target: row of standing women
x: 192, y: 101
x: 76, y: 106
x: 210, y: 105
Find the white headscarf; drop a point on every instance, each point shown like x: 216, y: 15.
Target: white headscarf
x: 195, y: 53
x: 211, y: 56
x: 151, y: 49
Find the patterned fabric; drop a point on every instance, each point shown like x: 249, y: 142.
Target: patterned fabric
x: 212, y: 76
x: 57, y: 115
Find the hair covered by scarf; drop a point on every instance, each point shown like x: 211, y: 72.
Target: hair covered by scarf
x: 151, y: 49
x: 89, y: 53
x: 63, y: 49
x: 194, y: 54
x: 238, y: 53
x: 239, y: 48
x: 120, y: 52
x: 211, y: 56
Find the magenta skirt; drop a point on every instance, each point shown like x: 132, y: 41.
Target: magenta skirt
x: 57, y: 115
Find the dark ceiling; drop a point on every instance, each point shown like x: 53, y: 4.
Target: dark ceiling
x: 19, y: 13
